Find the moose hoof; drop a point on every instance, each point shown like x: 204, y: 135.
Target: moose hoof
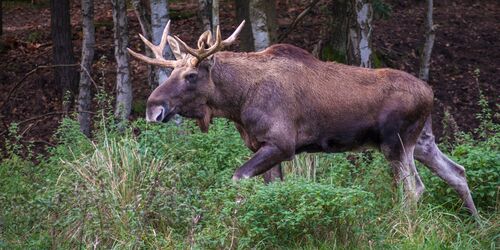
x: 237, y: 177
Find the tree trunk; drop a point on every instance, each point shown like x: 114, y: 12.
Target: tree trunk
x: 159, y: 19
x: 350, y: 33
x: 263, y: 22
x: 145, y: 22
x: 360, y: 34
x: 205, y: 10
x: 1, y: 18
x: 335, y: 48
x: 425, y: 60
x: 65, y: 77
x: 88, y: 43
x: 243, y: 13
x: 215, y: 15
x: 123, y: 87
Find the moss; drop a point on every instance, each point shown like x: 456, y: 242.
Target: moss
x: 328, y: 53
x: 179, y: 15
x: 106, y: 24
x: 139, y: 107
x: 377, y: 61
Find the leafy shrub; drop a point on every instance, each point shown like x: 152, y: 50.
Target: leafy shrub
x: 207, y: 158
x: 369, y: 171
x: 71, y: 142
x: 251, y: 214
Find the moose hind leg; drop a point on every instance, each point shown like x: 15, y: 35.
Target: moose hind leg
x: 419, y: 185
x: 403, y: 171
x: 452, y: 173
x: 273, y: 174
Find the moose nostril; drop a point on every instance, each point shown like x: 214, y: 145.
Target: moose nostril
x: 160, y: 111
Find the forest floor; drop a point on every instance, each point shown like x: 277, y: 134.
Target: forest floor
x: 467, y: 40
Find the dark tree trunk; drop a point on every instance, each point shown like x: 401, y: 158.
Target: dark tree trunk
x: 88, y: 43
x: 123, y: 86
x: 65, y: 77
x: 1, y: 18
x: 143, y: 15
x: 243, y: 13
x: 425, y: 60
x: 335, y: 48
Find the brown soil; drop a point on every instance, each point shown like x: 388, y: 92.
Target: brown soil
x: 467, y: 39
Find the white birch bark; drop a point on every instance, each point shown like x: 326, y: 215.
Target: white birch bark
x: 262, y: 20
x: 360, y: 34
x: 123, y: 87
x: 159, y: 19
x: 425, y: 60
x: 88, y: 43
x: 215, y: 15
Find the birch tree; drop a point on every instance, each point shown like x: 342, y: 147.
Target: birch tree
x: 123, y: 87
x: 349, y: 39
x: 360, y: 34
x: 88, y: 43
x: 430, y: 35
x: 159, y: 19
x: 262, y: 15
x: 209, y: 14
x: 65, y: 77
x: 215, y: 15
x: 141, y: 11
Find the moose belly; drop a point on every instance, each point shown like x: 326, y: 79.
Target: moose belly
x: 341, y: 142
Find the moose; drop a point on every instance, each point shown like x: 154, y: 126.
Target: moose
x: 283, y: 101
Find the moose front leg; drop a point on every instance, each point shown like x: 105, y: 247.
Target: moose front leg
x: 263, y: 160
x: 273, y: 174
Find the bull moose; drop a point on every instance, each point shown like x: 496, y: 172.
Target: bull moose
x: 284, y: 101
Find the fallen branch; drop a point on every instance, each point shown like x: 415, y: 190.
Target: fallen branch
x: 297, y: 20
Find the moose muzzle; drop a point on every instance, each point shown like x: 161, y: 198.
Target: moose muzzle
x: 159, y: 113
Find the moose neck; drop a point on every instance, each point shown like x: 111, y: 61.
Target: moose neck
x: 232, y: 84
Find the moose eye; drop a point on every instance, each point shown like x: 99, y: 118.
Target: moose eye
x: 191, y: 77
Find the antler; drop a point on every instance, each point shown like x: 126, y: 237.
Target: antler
x: 202, y: 52
x: 159, y: 60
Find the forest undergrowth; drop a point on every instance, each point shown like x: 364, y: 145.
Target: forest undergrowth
x: 167, y: 186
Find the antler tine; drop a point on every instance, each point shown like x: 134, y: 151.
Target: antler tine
x: 235, y: 34
x: 186, y: 47
x: 202, y: 53
x: 164, y: 36
x: 155, y: 61
x: 205, y: 38
x: 159, y: 60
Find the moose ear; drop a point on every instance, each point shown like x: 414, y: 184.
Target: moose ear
x: 175, y: 48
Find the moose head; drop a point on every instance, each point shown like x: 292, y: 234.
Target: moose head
x: 188, y: 88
